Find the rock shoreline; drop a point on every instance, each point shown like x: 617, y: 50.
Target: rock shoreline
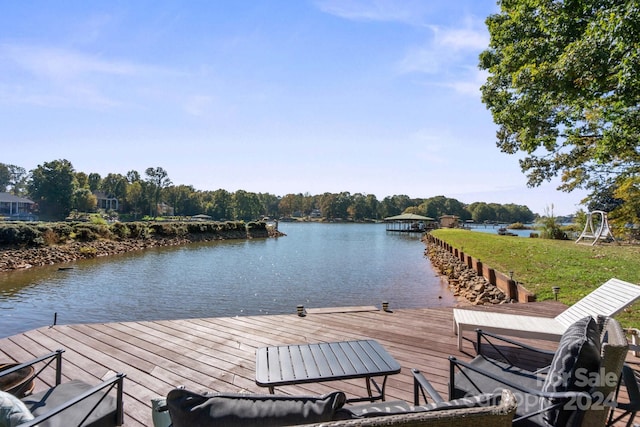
x: 463, y: 281
x: 22, y: 258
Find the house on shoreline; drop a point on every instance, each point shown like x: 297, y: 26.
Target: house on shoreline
x: 16, y: 207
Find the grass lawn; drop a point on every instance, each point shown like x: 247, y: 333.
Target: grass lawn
x: 540, y: 264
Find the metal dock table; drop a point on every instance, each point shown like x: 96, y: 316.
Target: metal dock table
x: 309, y: 363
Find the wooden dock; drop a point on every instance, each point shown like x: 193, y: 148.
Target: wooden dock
x: 218, y: 354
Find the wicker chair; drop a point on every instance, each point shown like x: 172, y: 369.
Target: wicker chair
x: 575, y: 402
x: 499, y: 415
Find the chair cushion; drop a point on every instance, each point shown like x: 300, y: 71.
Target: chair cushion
x: 43, y: 402
x: 13, y: 411
x: 400, y: 407
x: 189, y: 409
x: 578, y: 354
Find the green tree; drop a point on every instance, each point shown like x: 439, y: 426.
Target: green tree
x: 629, y: 211
x: 481, y: 212
x: 94, y: 181
x: 18, y: 182
x: 13, y: 179
x: 157, y: 180
x: 52, y: 186
x: 133, y: 176
x: 5, y: 177
x: 246, y: 206
x: 84, y: 200
x: 327, y: 204
x: 180, y: 198
x: 290, y: 203
x: 218, y: 205
x: 269, y: 204
x: 135, y: 198
x: 564, y: 88
x: 82, y: 179
x: 115, y: 185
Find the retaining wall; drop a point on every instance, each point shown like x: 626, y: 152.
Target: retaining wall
x: 511, y: 288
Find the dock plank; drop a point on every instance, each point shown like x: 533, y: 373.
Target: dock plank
x: 218, y: 354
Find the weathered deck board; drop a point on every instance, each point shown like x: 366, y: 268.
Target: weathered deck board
x: 218, y: 354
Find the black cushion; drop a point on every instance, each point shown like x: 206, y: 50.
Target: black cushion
x: 578, y: 354
x: 43, y: 402
x: 189, y: 409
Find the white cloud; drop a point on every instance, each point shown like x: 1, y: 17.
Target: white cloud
x: 471, y: 85
x: 56, y: 77
x: 56, y: 63
x: 406, y: 11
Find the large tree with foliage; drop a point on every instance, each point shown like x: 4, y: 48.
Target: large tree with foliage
x: 564, y: 89
x: 13, y: 179
x: 52, y: 186
x: 157, y: 180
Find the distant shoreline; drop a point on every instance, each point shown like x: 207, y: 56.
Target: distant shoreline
x: 12, y: 259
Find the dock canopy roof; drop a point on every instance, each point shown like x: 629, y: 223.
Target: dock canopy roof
x: 408, y: 217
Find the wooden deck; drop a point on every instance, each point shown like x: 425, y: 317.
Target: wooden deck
x: 218, y: 354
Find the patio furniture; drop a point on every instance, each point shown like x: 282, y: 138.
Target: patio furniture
x: 308, y: 363
x: 574, y: 390
x: 607, y: 300
x: 73, y: 403
x: 630, y: 379
x: 238, y: 410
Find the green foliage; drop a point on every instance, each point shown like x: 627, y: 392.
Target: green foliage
x: 540, y: 264
x: 550, y: 228
x: 168, y: 229
x: 84, y: 200
x: 20, y: 234
x: 137, y: 197
x: 563, y: 88
x: 137, y: 230
x: 197, y: 227
x: 97, y: 219
x: 52, y: 186
x: 86, y: 232
x: 120, y: 230
x: 256, y: 225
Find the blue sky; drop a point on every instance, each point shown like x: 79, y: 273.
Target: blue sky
x: 280, y: 96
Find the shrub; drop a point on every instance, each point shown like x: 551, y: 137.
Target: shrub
x: 87, y: 232
x: 138, y: 230
x: 517, y: 226
x: 20, y: 234
x: 120, y: 230
x: 550, y: 228
x: 197, y: 227
x: 168, y: 229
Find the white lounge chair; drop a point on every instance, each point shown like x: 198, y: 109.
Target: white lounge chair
x: 607, y: 300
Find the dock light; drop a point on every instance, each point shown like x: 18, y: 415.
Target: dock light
x: 511, y: 275
x: 300, y: 310
x: 556, y: 291
x: 385, y: 306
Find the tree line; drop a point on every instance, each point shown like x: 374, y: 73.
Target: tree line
x: 58, y: 189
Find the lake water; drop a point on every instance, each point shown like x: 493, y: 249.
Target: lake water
x: 493, y: 229
x: 317, y: 265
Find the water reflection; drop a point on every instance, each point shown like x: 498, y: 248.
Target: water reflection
x: 318, y: 265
